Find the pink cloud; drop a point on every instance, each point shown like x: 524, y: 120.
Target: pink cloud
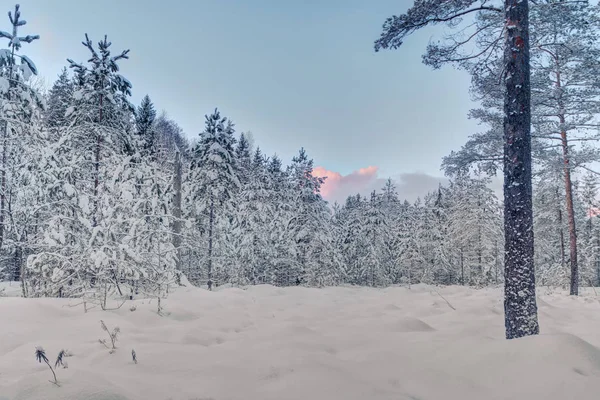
x: 409, y: 186
x: 337, y: 186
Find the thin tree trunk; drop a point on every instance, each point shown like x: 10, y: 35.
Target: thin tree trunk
x: 3, y: 181
x: 462, y: 267
x: 479, y: 244
x: 563, y: 257
x: 568, y: 183
x: 210, y: 239
x: 496, y: 262
x: 97, y: 169
x: 519, y: 302
x: 177, y: 210
x: 17, y: 268
x: 570, y: 216
x: 410, y: 273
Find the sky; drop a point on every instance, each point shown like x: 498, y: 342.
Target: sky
x: 294, y: 73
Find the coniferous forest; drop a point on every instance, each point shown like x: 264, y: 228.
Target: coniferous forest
x: 101, y: 196
x: 143, y: 257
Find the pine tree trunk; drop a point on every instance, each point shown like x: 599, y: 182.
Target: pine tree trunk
x: 496, y: 262
x: 519, y: 302
x: 177, y: 210
x: 561, y: 234
x: 210, y: 239
x: 568, y: 184
x: 570, y: 216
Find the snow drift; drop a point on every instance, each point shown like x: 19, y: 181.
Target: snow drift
x: 268, y: 343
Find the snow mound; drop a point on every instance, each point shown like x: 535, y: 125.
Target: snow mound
x: 409, y: 325
x: 267, y: 343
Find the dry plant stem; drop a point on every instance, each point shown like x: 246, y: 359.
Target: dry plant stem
x: 447, y: 302
x: 53, y: 373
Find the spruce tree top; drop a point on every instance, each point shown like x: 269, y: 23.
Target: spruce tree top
x: 7, y: 56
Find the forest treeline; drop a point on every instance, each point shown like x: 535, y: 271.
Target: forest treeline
x: 101, y: 196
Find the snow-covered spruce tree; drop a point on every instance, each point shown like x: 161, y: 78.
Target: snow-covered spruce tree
x: 145, y: 216
x: 243, y: 159
x: 144, y: 122
x: 348, y: 227
x: 84, y: 174
x: 248, y: 255
x: 170, y: 139
x: 550, y: 229
x: 280, y: 238
x: 102, y: 108
x: 392, y: 213
x: 60, y: 99
x: 26, y: 201
x: 239, y: 247
x: 411, y: 229
x: 373, y: 232
x: 587, y: 271
x: 309, y: 226
x: 520, y: 303
x: 19, y: 107
x: 213, y: 179
x: 588, y: 232
x: 437, y: 251
x: 194, y: 238
x: 474, y: 228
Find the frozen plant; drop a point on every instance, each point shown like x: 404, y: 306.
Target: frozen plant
x: 40, y: 355
x: 59, y: 360
x: 113, y: 336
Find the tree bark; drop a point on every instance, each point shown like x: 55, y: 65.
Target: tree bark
x: 177, y: 210
x: 568, y: 192
x: 570, y: 215
x: 561, y: 234
x: 567, y: 173
x: 520, y: 305
x: 496, y: 262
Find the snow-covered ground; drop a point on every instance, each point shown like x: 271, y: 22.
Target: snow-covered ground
x: 268, y: 343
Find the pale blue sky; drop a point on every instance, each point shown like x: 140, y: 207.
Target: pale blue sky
x: 295, y: 73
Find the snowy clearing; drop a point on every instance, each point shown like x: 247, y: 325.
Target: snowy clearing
x: 296, y: 343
